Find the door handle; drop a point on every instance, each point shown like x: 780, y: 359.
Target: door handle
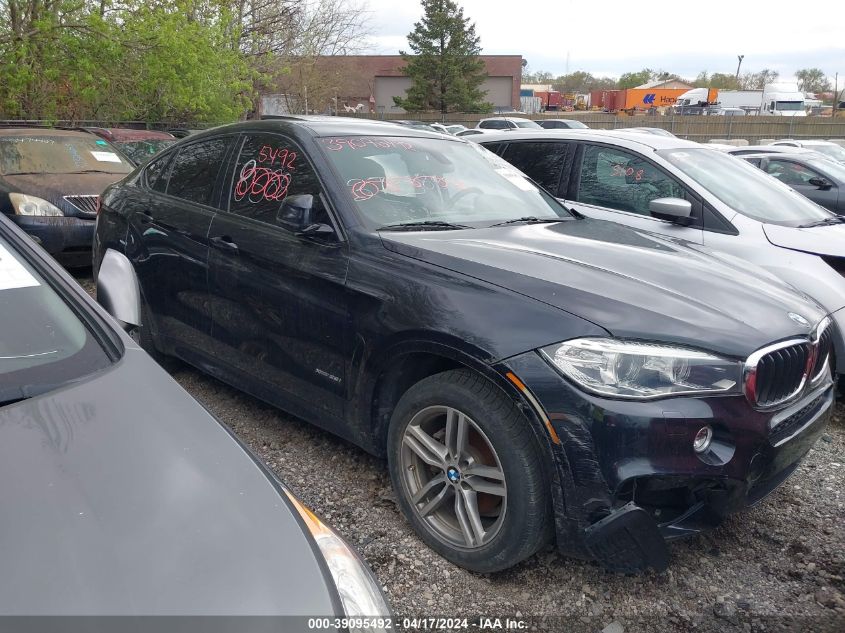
x: 224, y: 242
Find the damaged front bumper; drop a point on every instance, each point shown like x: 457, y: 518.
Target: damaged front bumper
x: 628, y: 479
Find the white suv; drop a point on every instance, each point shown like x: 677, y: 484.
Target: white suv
x: 687, y: 191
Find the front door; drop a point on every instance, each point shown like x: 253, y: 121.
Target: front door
x: 279, y: 304
x: 609, y: 183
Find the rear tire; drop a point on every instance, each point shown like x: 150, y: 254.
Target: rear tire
x: 467, y: 471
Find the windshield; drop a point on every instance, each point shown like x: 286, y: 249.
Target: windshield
x: 526, y: 123
x: 56, y: 154
x: 142, y: 151
x: 789, y: 105
x: 43, y: 344
x: 745, y: 188
x: 831, y: 151
x: 393, y: 180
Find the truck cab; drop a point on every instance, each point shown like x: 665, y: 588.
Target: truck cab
x: 783, y: 99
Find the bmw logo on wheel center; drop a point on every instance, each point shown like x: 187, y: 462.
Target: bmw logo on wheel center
x: 454, y: 475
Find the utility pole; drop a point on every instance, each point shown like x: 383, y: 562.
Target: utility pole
x: 740, y: 58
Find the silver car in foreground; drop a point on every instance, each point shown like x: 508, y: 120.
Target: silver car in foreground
x: 685, y: 190
x: 122, y: 496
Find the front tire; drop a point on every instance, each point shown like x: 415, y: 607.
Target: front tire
x: 467, y: 471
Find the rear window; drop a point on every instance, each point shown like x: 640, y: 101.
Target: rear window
x: 53, y: 154
x: 43, y: 343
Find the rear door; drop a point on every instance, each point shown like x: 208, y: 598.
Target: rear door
x: 167, y: 241
x: 279, y: 305
x: 615, y: 184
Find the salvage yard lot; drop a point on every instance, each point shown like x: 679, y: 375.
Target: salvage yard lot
x: 779, y: 566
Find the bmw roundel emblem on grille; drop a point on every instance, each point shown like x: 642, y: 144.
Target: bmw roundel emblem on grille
x: 798, y: 319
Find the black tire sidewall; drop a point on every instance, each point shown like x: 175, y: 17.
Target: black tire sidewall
x: 527, y: 512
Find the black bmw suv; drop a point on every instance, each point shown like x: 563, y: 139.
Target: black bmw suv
x: 529, y: 374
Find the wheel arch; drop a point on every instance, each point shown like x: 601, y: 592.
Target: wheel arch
x: 392, y: 372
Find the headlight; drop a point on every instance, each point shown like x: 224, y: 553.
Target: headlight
x: 360, y: 594
x: 640, y: 371
x: 30, y: 205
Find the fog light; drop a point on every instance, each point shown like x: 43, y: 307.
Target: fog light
x: 702, y: 439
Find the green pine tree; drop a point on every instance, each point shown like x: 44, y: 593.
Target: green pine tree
x: 445, y: 68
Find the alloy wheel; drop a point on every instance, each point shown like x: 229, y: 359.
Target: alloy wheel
x: 453, y: 477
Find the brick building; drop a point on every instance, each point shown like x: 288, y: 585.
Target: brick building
x: 370, y: 82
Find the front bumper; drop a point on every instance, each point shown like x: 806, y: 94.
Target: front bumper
x: 614, y: 455
x: 68, y: 239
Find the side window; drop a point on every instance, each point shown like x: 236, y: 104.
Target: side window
x: 754, y: 161
x: 195, y: 170
x: 541, y: 161
x: 616, y: 179
x: 493, y: 147
x: 495, y: 125
x: 155, y: 174
x: 269, y: 169
x: 790, y: 173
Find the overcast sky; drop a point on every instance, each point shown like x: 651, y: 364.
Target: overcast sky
x: 610, y: 37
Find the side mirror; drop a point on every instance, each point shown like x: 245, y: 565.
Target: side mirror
x: 672, y: 210
x: 821, y: 183
x: 296, y: 212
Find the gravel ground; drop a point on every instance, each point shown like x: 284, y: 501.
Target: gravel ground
x: 779, y: 566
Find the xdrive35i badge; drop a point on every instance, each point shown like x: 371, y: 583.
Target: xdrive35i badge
x: 798, y: 319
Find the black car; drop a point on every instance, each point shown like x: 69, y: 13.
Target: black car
x: 820, y: 179
x: 528, y: 373
x: 50, y: 184
x: 122, y: 495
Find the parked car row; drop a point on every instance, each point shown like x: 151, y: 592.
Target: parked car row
x: 601, y: 340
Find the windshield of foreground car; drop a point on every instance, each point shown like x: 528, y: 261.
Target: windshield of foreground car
x: 745, y: 188
x: 58, y: 154
x: 398, y: 180
x: 43, y: 344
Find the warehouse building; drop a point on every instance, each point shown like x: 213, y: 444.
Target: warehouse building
x: 368, y: 83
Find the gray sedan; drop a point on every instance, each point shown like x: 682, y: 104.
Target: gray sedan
x: 123, y: 496
x: 821, y: 180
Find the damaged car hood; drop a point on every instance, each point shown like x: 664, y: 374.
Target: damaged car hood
x: 633, y: 284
